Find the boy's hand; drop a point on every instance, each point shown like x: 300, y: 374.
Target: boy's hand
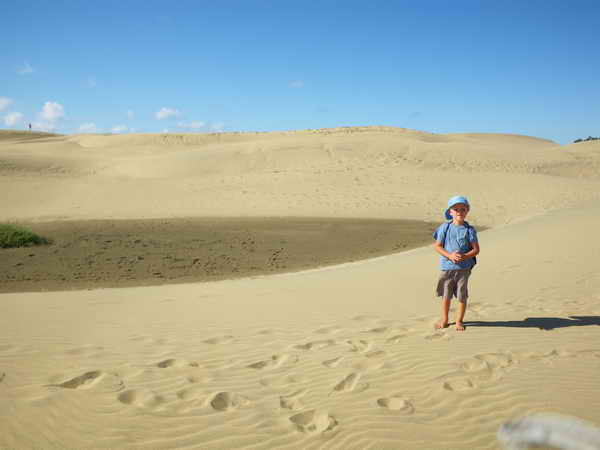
x: 456, y: 257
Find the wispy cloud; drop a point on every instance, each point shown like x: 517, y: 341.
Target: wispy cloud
x: 119, y: 129
x: 88, y: 127
x: 130, y: 114
x: 165, y: 113
x: 91, y: 82
x: 193, y: 125
x: 5, y: 102
x: 52, y: 111
x: 217, y: 127
x: 13, y: 118
x: 297, y: 84
x: 25, y: 69
x: 44, y: 126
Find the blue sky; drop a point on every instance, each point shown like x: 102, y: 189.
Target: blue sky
x: 526, y: 67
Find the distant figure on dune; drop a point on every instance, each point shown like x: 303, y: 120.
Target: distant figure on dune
x: 29, y: 127
x: 456, y: 242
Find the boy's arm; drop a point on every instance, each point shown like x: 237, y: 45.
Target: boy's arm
x: 454, y: 257
x: 473, y: 252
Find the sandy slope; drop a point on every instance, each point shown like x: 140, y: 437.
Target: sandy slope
x: 353, y: 172
x: 343, y: 357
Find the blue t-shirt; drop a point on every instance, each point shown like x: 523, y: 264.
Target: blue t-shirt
x: 457, y: 239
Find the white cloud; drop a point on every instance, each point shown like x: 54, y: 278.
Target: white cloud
x: 25, y: 68
x: 13, y: 119
x: 193, y: 125
x: 52, y: 111
x: 165, y: 113
x: 88, y: 127
x: 119, y: 129
x: 166, y: 130
x: 217, y: 127
x: 44, y: 126
x: 297, y: 84
x: 5, y: 102
x: 50, y: 114
x: 130, y: 114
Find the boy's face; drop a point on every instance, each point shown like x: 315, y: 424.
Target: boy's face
x: 459, y: 211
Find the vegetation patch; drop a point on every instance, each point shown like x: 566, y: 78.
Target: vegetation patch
x: 589, y: 138
x: 16, y: 236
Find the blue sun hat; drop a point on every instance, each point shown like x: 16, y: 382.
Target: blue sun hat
x: 453, y: 201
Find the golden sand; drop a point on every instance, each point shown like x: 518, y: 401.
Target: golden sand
x: 342, y: 357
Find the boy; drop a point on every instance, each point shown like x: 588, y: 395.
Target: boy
x: 456, y: 242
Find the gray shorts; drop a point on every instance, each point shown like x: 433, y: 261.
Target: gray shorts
x: 453, y: 283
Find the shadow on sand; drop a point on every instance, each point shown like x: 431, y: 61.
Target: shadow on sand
x: 543, y: 323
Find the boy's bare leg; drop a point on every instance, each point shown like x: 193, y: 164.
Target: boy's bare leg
x: 460, y: 315
x: 443, y: 323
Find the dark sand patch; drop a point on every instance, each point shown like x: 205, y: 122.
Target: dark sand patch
x: 19, y: 135
x: 118, y: 253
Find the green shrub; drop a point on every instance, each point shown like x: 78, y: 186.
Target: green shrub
x: 589, y: 138
x: 15, y: 236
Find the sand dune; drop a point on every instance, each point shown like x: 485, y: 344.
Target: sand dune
x: 348, y: 172
x: 340, y: 357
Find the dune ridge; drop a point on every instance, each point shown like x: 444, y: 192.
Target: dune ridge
x: 345, y: 357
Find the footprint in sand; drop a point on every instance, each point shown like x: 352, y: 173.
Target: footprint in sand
x: 267, y: 332
x: 395, y: 339
x: 314, y: 421
x: 194, y: 379
x: 359, y: 346
x: 2, y: 376
x: 328, y: 330
x: 94, y: 378
x: 495, y: 360
x: 191, y: 393
x: 168, y: 363
x: 475, y: 365
x: 85, y: 350
x: 292, y: 401
x: 141, y: 338
x: 225, y: 401
x: 487, y: 367
x: 529, y: 356
x: 141, y: 399
x: 283, y: 381
x: 364, y: 317
x: 219, y: 340
x: 375, y: 354
x: 436, y: 336
x: 273, y: 363
x: 575, y: 353
x: 459, y: 384
x: 397, y: 403
x: 333, y: 362
x: 377, y: 330
x: 350, y: 383
x: 315, y: 345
